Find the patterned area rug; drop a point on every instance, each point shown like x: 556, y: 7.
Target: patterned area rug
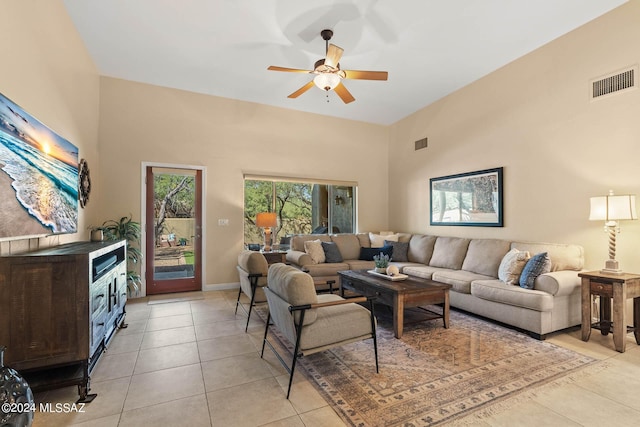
x: 434, y: 375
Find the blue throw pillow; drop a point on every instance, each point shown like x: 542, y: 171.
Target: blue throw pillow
x: 367, y: 254
x: 400, y: 250
x: 331, y: 252
x: 537, y: 265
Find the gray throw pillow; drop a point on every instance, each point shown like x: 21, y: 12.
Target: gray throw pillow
x: 400, y: 250
x: 331, y: 252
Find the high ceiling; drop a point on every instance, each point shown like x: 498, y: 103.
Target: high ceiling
x: 223, y: 47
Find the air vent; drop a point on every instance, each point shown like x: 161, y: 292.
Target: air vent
x: 614, y: 83
x: 421, y: 143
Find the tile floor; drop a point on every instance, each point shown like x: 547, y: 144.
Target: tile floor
x: 190, y: 363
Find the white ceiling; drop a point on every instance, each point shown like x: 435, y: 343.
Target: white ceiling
x: 223, y: 47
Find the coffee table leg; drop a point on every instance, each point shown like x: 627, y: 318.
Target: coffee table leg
x: 445, y: 309
x: 398, y: 315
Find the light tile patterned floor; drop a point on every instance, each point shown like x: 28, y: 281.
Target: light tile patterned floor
x: 190, y: 363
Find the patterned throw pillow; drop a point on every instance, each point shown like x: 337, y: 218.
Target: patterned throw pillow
x: 537, y: 265
x: 511, y: 266
x: 315, y: 251
x: 400, y: 250
x: 331, y: 252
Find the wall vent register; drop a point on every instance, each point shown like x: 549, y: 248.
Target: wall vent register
x: 614, y: 83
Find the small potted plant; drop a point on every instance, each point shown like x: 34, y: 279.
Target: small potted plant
x: 382, y: 262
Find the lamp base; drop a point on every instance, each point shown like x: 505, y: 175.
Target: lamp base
x: 611, y: 267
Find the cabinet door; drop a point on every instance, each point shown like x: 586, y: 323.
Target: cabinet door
x: 43, y: 314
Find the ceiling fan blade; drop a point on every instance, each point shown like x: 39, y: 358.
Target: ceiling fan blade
x: 366, y: 75
x: 334, y: 53
x: 343, y: 93
x: 302, y: 90
x: 288, y: 70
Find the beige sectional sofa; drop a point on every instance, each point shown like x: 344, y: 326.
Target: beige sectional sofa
x: 471, y: 267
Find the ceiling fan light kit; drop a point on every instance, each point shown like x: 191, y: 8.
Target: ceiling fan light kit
x: 329, y: 76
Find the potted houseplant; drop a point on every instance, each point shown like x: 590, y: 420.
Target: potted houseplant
x: 382, y: 262
x: 127, y: 229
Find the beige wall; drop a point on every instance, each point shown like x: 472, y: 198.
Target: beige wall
x: 144, y: 123
x: 534, y: 118
x: 48, y: 72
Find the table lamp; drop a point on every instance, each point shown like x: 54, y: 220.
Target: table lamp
x: 611, y: 209
x: 266, y: 220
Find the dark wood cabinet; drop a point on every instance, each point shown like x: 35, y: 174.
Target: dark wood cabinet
x: 59, y: 307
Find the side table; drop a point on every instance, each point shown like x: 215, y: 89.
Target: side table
x: 274, y: 257
x: 607, y: 286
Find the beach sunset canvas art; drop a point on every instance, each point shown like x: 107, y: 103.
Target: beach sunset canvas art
x: 38, y: 178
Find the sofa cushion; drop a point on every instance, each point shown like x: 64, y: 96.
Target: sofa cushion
x: 358, y: 264
x: 460, y: 280
x: 563, y: 256
x: 349, y: 245
x: 377, y: 240
x: 511, y: 266
x: 325, y: 269
x: 297, y: 241
x: 420, y: 270
x: 364, y: 240
x: 497, y: 291
x: 537, y: 265
x: 484, y: 256
x: 449, y: 252
x: 421, y: 248
x: 367, y: 254
x: 400, y: 250
x: 315, y: 251
x: 331, y: 252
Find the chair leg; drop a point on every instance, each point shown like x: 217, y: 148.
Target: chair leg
x: 238, y: 300
x: 266, y: 330
x: 253, y: 297
x: 373, y: 332
x: 295, y: 352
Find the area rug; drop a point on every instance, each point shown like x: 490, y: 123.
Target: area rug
x: 433, y: 375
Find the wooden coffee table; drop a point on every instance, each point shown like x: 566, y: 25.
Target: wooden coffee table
x: 401, y: 294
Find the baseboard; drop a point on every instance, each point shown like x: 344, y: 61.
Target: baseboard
x: 221, y: 286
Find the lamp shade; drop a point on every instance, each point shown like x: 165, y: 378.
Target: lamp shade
x: 326, y: 81
x: 613, y: 207
x: 266, y: 219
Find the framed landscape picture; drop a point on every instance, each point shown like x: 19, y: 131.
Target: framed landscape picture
x: 38, y: 177
x: 472, y: 198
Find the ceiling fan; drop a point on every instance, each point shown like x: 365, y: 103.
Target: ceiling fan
x: 328, y: 73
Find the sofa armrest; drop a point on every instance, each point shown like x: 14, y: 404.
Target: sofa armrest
x: 558, y: 283
x: 299, y: 258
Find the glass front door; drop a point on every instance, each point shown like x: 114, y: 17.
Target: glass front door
x: 174, y: 226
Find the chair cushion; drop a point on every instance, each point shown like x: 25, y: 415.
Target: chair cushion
x: 293, y: 286
x: 329, y: 330
x: 253, y: 262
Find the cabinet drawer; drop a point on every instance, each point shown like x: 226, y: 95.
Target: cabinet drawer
x: 602, y: 289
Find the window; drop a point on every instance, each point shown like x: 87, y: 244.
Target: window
x: 302, y: 207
